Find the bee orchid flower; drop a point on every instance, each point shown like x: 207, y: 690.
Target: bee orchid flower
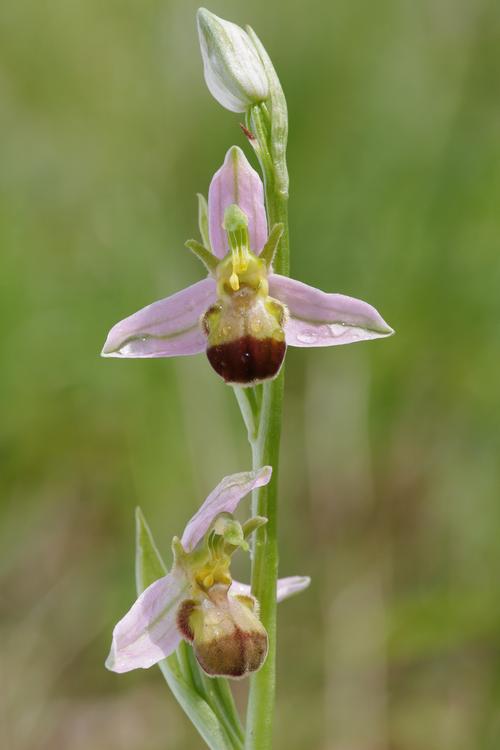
x: 243, y: 315
x: 197, y: 600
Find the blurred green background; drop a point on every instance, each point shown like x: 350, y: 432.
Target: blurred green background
x: 390, y: 472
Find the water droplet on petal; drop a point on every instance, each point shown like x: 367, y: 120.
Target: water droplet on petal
x: 306, y: 338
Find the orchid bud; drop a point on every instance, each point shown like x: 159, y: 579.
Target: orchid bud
x: 225, y: 631
x: 233, y: 69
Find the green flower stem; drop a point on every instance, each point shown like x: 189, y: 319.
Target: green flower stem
x: 271, y: 136
x: 276, y: 188
x: 249, y: 408
x: 196, y: 708
x: 265, y: 450
x: 221, y: 700
x: 189, y: 670
x: 225, y: 697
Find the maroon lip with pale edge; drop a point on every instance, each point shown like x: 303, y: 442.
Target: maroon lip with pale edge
x: 183, y: 614
x: 233, y: 655
x: 247, y: 359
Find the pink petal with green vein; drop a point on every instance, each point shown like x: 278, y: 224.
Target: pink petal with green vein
x: 236, y: 182
x: 223, y: 499
x: 317, y: 318
x: 148, y: 632
x: 286, y: 587
x: 167, y: 328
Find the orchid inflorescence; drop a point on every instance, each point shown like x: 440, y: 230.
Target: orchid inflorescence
x: 194, y: 620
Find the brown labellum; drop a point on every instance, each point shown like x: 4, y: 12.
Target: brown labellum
x: 233, y: 655
x: 225, y: 631
x: 247, y: 359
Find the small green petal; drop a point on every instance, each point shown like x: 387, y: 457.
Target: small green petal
x: 269, y: 249
x: 207, y: 258
x: 203, y: 220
